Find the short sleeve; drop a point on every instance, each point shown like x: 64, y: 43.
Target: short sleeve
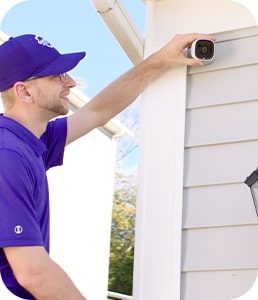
x: 55, y: 138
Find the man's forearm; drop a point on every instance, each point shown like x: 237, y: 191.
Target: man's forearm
x: 52, y: 283
x: 124, y: 90
x: 40, y: 275
x: 112, y: 99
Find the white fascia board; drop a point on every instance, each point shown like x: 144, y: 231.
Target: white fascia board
x: 122, y: 26
x: 113, y: 127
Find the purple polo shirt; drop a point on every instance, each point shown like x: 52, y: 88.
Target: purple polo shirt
x: 24, y: 197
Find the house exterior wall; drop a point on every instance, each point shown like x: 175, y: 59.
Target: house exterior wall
x: 81, y: 202
x: 194, y: 159
x: 220, y: 226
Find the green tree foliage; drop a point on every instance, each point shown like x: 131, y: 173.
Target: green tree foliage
x: 122, y: 235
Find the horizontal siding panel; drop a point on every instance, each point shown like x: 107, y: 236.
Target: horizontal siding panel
x: 223, y: 86
x: 232, y: 53
x: 220, y: 205
x: 220, y: 248
x: 220, y: 164
x: 219, y: 285
x: 225, y: 123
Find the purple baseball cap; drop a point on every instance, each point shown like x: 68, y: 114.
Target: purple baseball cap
x: 29, y: 55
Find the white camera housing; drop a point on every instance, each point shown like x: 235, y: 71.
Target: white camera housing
x: 204, y: 50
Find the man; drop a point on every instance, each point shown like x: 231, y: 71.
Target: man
x: 35, y: 86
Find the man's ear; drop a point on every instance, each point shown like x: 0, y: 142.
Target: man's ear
x: 22, y: 92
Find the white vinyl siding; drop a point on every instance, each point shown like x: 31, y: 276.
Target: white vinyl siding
x: 220, y: 227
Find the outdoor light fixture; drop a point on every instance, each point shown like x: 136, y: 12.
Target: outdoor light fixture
x: 252, y: 182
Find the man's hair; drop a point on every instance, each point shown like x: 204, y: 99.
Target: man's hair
x: 8, y: 98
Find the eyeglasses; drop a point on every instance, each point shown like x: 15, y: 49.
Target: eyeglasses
x: 62, y: 77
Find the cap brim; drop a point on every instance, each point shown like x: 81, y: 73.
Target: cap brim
x: 64, y: 63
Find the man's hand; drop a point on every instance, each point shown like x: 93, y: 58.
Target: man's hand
x: 174, y: 54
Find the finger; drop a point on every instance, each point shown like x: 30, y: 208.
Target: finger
x: 194, y: 62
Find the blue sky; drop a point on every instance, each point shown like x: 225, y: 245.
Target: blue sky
x: 76, y: 26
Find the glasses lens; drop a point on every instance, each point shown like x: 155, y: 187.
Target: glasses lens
x: 62, y: 77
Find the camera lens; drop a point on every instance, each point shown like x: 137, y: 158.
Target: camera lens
x: 204, y: 49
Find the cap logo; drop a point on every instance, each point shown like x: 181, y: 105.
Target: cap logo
x: 43, y: 42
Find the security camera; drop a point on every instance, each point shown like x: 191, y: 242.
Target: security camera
x: 203, y: 49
